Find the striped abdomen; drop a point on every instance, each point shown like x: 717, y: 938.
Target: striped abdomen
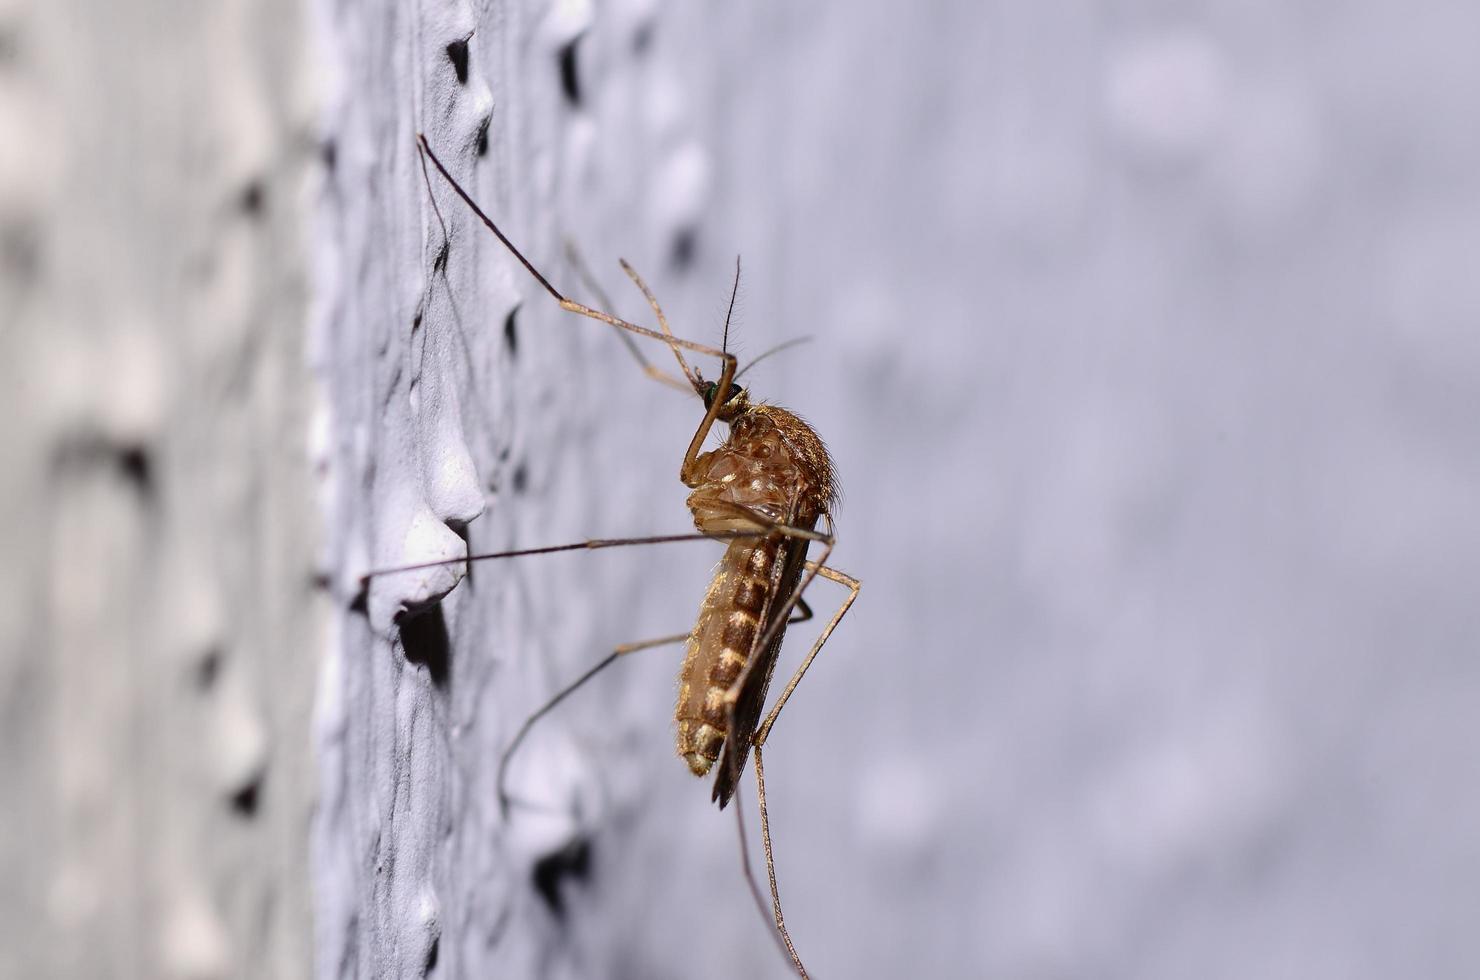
x: 729, y: 622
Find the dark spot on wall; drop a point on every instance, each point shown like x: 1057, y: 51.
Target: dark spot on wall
x: 440, y: 262
x: 684, y: 247
x: 520, y: 480
x: 570, y: 72
x: 511, y: 331
x: 433, y: 952
x: 20, y: 250
x: 208, y: 670
x: 329, y: 154
x: 137, y: 468
x: 642, y: 39
x: 254, y: 199
x: 10, y: 44
x: 571, y: 863
x: 481, y: 142
x: 416, y: 322
x: 457, y: 53
x: 245, y: 800
x: 425, y: 643
x: 460, y: 528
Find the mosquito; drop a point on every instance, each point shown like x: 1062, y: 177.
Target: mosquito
x: 764, y: 490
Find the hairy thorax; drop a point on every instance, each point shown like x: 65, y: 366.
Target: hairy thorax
x: 772, y: 464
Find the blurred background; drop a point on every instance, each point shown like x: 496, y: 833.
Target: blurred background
x: 1144, y: 338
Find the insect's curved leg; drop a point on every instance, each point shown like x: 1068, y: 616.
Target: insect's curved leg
x: 590, y: 544
x: 758, y: 741
x: 804, y: 613
x: 663, y: 320
x: 853, y: 586
x: 583, y: 273
x: 727, y: 360
x: 565, y: 692
x: 675, y: 343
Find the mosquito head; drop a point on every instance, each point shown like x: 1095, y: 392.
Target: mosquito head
x: 736, y: 401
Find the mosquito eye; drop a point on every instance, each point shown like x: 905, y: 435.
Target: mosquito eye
x: 709, y: 391
x: 734, y: 393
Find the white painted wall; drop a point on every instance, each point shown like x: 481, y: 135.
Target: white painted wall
x: 1145, y: 346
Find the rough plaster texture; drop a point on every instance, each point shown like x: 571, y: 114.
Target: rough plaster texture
x: 159, y: 628
x: 1145, y: 343
x: 463, y: 402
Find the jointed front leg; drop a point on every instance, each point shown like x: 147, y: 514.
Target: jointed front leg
x: 566, y: 303
x: 853, y: 586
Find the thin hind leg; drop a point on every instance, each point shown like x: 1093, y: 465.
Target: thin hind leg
x: 758, y: 742
x: 565, y: 692
x: 804, y: 613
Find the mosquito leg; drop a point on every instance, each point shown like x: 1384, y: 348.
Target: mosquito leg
x: 567, y: 691
x: 782, y: 937
x: 588, y: 281
x: 673, y: 342
x: 758, y: 740
x: 853, y: 586
x: 754, y: 522
x: 427, y: 179
x: 592, y: 544
x: 663, y: 320
x: 804, y: 613
x: 760, y: 788
x: 728, y: 364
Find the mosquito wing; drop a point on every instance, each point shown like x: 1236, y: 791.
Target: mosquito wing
x: 752, y: 700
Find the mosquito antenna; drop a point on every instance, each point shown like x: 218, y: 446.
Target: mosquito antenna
x: 793, y: 342
x: 734, y: 289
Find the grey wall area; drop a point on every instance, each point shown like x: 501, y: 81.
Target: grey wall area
x: 1143, y: 336
x: 1147, y: 344
x: 160, y: 631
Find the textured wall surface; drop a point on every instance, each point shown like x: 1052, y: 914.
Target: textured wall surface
x: 159, y: 627
x: 1145, y: 340
x: 464, y: 403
